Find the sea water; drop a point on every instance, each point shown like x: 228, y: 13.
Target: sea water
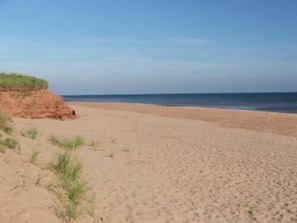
x: 273, y: 102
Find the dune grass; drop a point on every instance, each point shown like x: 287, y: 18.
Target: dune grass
x: 30, y: 133
x: 33, y: 156
x: 67, y: 143
x: 65, y: 166
x: 69, y: 172
x: 18, y: 81
x: 9, y: 143
x: 2, y: 148
x: 5, y: 125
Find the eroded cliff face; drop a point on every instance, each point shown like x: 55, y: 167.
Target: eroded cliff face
x: 36, y: 104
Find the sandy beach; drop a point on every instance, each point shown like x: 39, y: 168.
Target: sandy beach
x: 157, y: 164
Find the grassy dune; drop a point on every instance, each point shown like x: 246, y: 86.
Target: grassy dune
x: 17, y: 81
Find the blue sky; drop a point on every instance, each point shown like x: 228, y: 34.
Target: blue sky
x: 152, y: 46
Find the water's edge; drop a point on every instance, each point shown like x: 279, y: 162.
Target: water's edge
x: 272, y: 102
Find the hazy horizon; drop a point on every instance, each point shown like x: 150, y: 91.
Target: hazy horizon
x: 181, y: 93
x: 145, y: 47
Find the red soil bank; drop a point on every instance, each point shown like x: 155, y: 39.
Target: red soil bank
x: 36, y: 104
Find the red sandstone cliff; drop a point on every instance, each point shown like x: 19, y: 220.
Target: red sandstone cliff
x: 35, y: 104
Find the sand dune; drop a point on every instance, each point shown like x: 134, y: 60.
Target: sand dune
x: 166, y: 164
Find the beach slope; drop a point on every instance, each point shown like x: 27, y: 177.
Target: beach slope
x: 168, y: 164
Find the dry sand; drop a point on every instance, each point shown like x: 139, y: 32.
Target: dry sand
x: 162, y: 164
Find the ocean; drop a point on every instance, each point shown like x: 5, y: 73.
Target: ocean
x: 271, y: 102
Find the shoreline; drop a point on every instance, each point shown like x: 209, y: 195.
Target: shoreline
x: 272, y: 122
x: 266, y: 102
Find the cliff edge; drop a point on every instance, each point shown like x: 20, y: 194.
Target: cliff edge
x: 28, y: 97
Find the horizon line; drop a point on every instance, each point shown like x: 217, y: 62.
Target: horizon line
x: 114, y: 94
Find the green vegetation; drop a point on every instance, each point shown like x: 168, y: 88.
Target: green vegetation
x: 69, y: 172
x: 2, y: 148
x: 30, y: 133
x: 33, y: 156
x: 5, y: 125
x: 68, y: 184
x: 9, y: 143
x: 67, y: 143
x: 64, y: 166
x: 18, y: 81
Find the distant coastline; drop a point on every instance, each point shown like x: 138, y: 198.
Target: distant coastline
x: 270, y: 102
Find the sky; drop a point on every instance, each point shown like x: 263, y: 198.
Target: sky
x: 152, y: 46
